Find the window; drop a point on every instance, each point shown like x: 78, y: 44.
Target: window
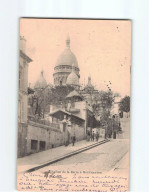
x: 34, y: 144
x: 42, y: 145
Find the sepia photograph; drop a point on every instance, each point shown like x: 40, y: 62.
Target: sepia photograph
x: 74, y: 105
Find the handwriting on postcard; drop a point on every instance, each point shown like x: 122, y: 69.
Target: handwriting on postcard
x: 71, y: 181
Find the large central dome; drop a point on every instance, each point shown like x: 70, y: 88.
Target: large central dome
x: 64, y: 64
x: 67, y: 58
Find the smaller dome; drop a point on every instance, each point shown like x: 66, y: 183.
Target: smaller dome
x: 72, y: 78
x: 41, y: 82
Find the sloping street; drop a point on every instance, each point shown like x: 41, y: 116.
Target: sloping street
x: 113, y: 155
x: 101, y: 158
x: 109, y: 160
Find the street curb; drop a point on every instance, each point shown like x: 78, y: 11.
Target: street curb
x: 116, y: 166
x: 66, y: 156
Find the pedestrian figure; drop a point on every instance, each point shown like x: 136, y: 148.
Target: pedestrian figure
x: 69, y: 127
x: 115, y: 127
x: 88, y: 135
x: 93, y: 136
x: 109, y: 128
x: 73, y: 139
x: 65, y: 131
x: 114, y: 135
x: 97, y: 136
x: 106, y: 132
x: 66, y: 138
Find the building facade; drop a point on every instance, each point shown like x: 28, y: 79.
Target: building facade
x: 24, y: 60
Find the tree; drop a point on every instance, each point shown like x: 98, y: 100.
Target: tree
x: 50, y: 95
x: 124, y: 105
x: 103, y: 105
x: 104, y: 117
x: 107, y: 99
x: 40, y: 100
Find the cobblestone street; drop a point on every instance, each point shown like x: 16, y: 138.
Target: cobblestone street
x: 39, y: 158
x: 113, y: 155
x: 101, y: 158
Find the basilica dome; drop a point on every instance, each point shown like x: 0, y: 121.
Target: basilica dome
x: 41, y: 82
x: 67, y: 57
x: 63, y: 66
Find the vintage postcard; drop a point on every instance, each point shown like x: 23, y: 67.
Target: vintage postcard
x: 74, y: 105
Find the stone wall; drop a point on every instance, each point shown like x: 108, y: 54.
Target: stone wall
x: 42, y: 134
x: 79, y: 132
x: 35, y: 137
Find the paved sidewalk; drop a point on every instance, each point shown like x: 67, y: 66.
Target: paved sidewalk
x: 44, y: 157
x: 123, y: 164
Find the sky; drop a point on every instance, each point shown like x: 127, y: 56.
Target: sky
x: 102, y: 48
